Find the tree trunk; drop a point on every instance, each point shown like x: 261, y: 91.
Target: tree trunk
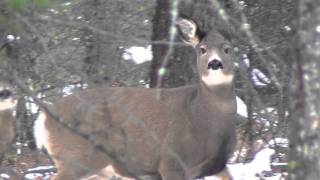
x: 304, y: 160
x: 101, y: 65
x: 23, y: 125
x: 160, y: 32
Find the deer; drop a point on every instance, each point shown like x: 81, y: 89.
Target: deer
x: 149, y: 133
x: 7, y: 132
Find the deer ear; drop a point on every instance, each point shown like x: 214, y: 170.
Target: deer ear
x: 188, y: 31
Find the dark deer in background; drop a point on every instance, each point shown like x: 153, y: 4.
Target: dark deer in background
x: 170, y: 134
x: 7, y: 105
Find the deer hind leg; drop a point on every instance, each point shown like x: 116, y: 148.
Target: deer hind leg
x: 77, y: 168
x: 74, y: 156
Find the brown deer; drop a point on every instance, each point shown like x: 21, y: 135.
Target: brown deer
x: 170, y: 133
x: 7, y: 103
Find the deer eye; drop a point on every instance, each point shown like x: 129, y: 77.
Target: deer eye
x: 226, y: 49
x: 203, y: 49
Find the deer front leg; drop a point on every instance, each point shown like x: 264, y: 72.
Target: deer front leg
x: 171, y: 169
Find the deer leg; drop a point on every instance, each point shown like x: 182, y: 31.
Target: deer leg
x: 69, y: 170
x: 171, y: 169
x: 171, y: 174
x: 75, y: 167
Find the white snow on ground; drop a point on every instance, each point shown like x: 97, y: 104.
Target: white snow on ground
x: 138, y: 54
x: 41, y: 168
x: 34, y: 176
x: 4, y: 176
x: 241, y: 108
x: 260, y: 163
x: 10, y: 38
x: 34, y: 173
x: 283, y: 142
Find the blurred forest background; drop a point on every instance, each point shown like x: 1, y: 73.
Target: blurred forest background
x: 49, y: 49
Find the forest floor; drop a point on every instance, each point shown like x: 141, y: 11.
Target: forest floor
x: 37, y: 165
x: 15, y: 166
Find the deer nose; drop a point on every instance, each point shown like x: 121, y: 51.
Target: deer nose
x: 215, y: 64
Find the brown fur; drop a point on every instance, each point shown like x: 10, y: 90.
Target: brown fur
x: 171, y: 134
x: 6, y: 124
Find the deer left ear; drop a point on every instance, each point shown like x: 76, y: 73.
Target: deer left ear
x: 188, y: 31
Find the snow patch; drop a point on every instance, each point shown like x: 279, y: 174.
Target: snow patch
x: 138, y: 54
x: 260, y: 163
x: 241, y: 107
x: 5, y: 176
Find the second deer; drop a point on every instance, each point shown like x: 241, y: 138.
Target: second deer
x: 7, y: 133
x: 170, y: 134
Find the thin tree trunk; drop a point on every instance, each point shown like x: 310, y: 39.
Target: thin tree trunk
x: 160, y: 32
x: 304, y: 160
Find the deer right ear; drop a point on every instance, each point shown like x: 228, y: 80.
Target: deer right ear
x: 188, y: 31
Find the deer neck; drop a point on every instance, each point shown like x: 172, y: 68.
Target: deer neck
x: 214, y: 101
x: 213, y: 107
x: 217, y: 93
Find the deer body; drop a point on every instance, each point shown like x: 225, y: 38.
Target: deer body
x: 170, y: 134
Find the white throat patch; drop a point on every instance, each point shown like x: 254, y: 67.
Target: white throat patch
x: 216, y: 77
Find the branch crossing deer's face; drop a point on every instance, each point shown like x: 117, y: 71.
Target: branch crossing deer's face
x: 214, y: 53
